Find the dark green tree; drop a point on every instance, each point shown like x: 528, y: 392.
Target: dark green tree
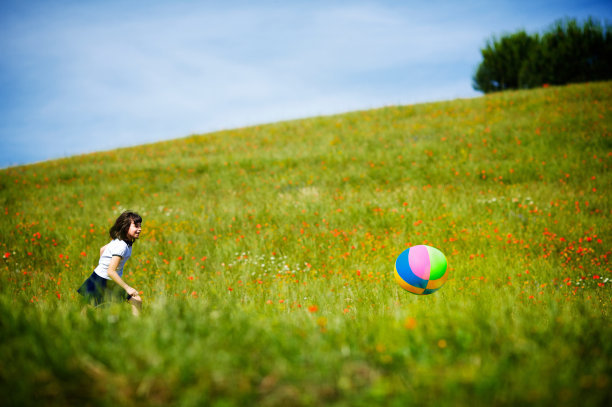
x: 502, y: 61
x: 566, y: 53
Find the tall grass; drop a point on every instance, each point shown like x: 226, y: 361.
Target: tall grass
x: 267, y: 254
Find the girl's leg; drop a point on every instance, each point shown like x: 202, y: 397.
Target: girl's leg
x: 136, y: 303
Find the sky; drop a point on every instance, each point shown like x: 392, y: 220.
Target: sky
x: 84, y: 76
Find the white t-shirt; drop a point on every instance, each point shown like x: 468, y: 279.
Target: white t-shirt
x: 115, y: 248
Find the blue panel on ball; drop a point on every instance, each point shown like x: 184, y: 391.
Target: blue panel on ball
x: 403, y: 269
x: 430, y: 290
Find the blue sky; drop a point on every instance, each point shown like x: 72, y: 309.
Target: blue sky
x: 84, y: 76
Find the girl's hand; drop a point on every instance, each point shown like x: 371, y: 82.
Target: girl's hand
x: 131, y: 291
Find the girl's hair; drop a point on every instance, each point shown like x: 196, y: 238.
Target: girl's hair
x: 122, y: 225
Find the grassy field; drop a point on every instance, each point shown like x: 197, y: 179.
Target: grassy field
x: 267, y: 257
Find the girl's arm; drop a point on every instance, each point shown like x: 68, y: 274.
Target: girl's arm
x: 112, y: 273
x: 102, y: 249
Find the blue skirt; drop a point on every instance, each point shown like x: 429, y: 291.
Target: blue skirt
x: 96, y: 291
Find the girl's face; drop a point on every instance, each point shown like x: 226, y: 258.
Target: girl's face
x: 134, y: 231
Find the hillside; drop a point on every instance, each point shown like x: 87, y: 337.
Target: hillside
x: 267, y: 258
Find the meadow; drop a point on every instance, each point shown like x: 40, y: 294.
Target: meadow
x: 267, y: 256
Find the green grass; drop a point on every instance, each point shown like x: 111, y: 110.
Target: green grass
x: 267, y: 256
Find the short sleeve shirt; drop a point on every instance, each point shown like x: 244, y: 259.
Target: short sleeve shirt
x: 115, y: 248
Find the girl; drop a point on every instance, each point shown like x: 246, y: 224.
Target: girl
x: 113, y: 257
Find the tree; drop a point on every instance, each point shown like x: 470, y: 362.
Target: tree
x: 502, y: 62
x: 566, y: 53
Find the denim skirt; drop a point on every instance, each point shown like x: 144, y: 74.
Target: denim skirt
x: 96, y: 291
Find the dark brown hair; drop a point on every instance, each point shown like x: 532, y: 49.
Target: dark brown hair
x: 122, y: 225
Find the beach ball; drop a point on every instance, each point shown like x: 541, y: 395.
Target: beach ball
x: 421, y: 269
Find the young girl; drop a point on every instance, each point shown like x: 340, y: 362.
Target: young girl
x: 113, y: 257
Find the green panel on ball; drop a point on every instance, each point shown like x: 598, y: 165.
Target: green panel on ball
x: 438, y: 263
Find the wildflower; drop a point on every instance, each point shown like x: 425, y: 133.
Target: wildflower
x: 313, y: 308
x: 410, y: 323
x: 6, y: 255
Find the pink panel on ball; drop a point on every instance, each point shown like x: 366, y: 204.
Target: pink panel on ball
x: 418, y: 259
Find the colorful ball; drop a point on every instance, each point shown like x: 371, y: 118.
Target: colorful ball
x: 421, y: 269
